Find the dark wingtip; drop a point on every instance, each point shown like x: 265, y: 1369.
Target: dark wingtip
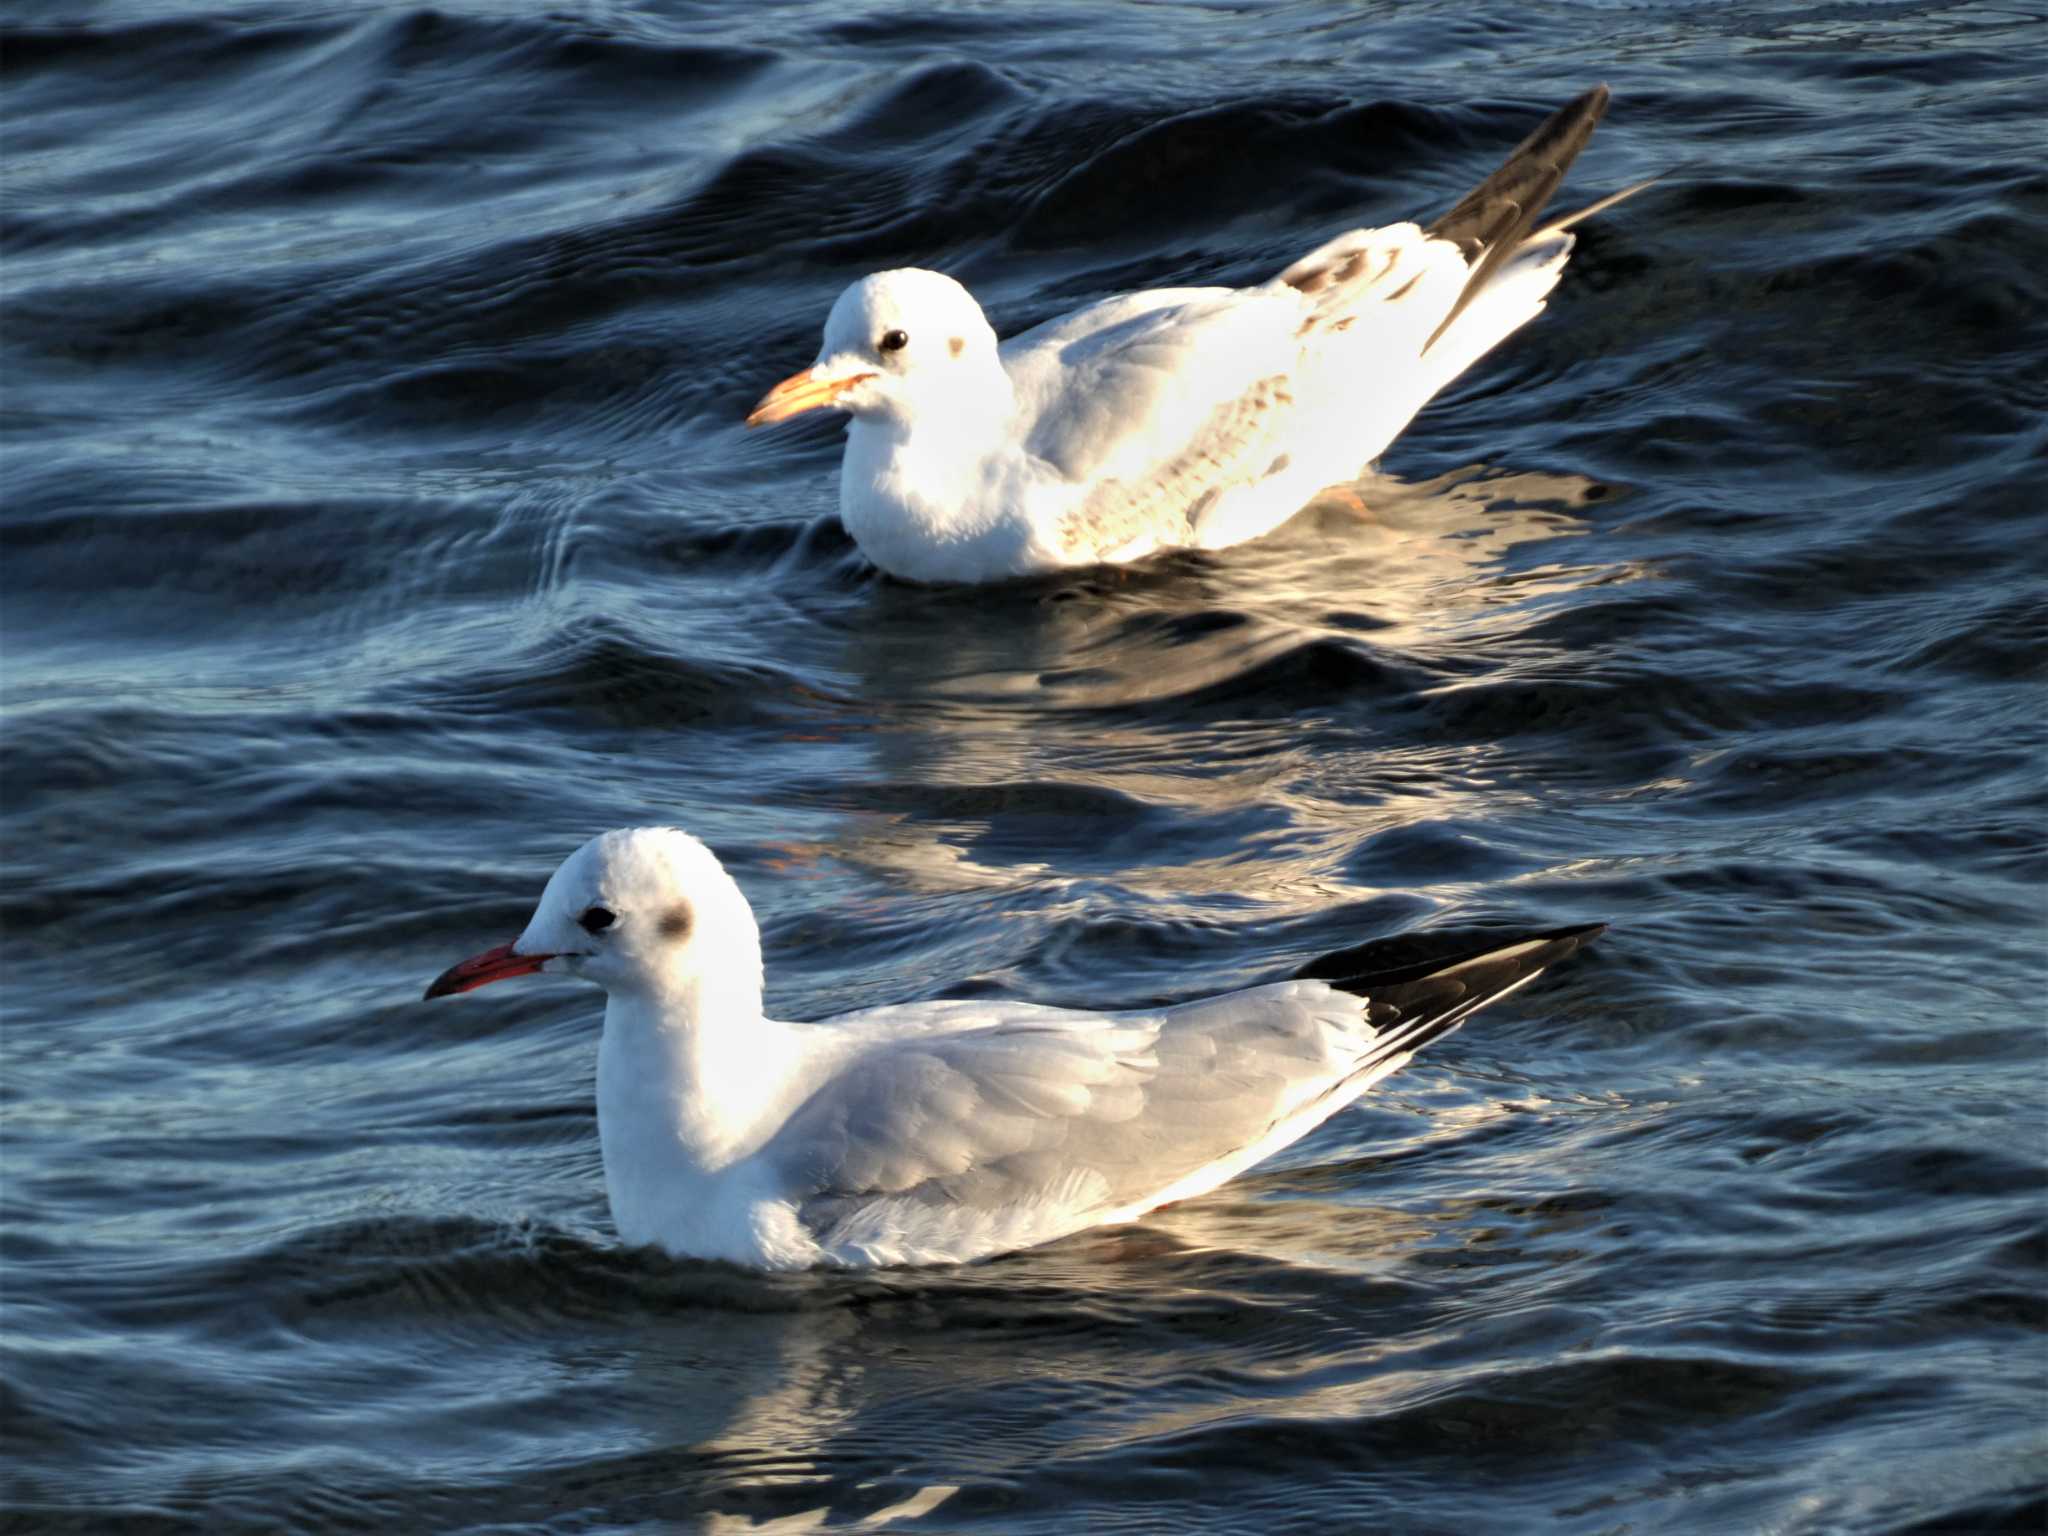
x: 1411, y: 957
x: 1553, y: 144
x: 1490, y: 222
x: 1417, y: 1002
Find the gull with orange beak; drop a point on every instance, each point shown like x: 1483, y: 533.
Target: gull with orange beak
x: 1177, y: 417
x: 810, y: 390
x: 942, y: 1132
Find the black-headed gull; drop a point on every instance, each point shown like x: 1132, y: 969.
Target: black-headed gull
x: 1176, y: 417
x: 940, y: 1132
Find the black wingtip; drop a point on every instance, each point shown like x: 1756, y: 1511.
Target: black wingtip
x: 1414, y: 1002
x: 1402, y: 960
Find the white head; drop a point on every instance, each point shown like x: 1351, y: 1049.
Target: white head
x: 899, y: 344
x: 646, y: 911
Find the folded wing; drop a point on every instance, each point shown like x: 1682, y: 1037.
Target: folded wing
x: 1176, y: 415
x: 983, y: 1139
x: 1005, y: 1127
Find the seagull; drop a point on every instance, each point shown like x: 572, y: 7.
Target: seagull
x: 1176, y: 417
x: 949, y: 1131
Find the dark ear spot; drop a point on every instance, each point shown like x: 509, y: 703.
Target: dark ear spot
x: 676, y: 921
x: 955, y: 345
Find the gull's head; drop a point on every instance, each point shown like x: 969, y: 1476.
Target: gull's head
x: 646, y: 910
x: 896, y: 343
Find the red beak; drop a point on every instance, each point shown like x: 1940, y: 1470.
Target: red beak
x: 481, y: 970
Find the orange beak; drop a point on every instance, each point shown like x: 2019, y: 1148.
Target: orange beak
x: 801, y: 392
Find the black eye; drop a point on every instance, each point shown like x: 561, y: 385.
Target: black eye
x: 894, y: 341
x: 595, y: 920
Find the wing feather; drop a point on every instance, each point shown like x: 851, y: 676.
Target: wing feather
x: 1152, y: 405
x: 967, y: 1129
x: 1187, y: 417
x: 981, y: 1125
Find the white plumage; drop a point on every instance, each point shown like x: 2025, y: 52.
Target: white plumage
x: 1173, y: 418
x: 935, y: 1132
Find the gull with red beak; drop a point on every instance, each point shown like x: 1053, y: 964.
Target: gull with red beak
x: 942, y: 1132
x: 1177, y: 417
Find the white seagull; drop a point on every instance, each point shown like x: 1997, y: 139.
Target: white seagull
x: 1177, y: 417
x: 943, y: 1132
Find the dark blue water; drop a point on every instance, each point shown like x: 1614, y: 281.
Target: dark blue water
x: 378, y: 523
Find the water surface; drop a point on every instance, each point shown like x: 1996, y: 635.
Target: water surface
x: 378, y: 523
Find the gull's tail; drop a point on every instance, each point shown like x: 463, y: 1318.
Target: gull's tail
x: 1419, y: 987
x: 1496, y: 220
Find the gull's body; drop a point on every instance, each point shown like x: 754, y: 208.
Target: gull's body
x: 939, y: 1132
x: 1178, y: 417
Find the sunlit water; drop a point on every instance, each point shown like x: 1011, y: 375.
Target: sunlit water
x: 379, y: 523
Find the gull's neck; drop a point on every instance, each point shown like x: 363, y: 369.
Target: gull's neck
x: 691, y: 1079
x: 918, y: 477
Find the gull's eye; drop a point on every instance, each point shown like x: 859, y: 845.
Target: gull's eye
x: 894, y: 341
x: 595, y: 920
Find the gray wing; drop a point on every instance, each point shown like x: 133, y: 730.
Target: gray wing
x: 974, y: 1141
x: 965, y: 1130
x: 1158, y: 403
